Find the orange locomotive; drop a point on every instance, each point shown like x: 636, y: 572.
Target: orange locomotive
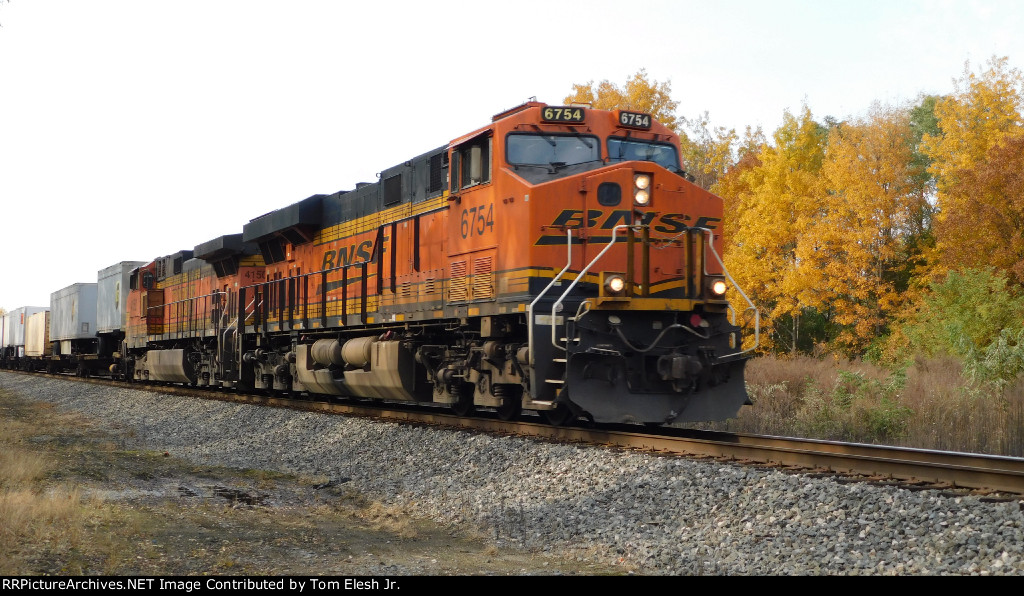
x: 179, y: 325
x: 557, y: 260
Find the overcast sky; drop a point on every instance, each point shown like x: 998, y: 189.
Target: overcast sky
x: 131, y: 129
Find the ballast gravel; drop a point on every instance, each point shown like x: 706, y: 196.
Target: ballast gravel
x: 653, y: 515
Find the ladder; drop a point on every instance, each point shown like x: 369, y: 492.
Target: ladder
x: 563, y: 342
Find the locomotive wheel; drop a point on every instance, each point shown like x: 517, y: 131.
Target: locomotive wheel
x: 463, y: 405
x: 560, y: 416
x: 510, y: 408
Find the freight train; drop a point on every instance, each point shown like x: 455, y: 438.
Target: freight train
x: 557, y: 261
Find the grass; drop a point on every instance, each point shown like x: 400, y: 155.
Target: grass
x: 41, y: 516
x: 75, y: 501
x: 930, y: 404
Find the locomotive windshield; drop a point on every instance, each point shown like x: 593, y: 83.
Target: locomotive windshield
x: 663, y: 154
x: 534, y: 149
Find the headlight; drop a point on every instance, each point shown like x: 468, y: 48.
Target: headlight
x: 718, y: 287
x: 641, y: 190
x: 613, y: 286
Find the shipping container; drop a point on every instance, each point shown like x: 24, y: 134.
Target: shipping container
x: 73, y: 315
x: 14, y: 328
x: 37, y: 334
x: 111, y: 295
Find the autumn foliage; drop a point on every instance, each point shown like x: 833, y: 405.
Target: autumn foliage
x: 842, y: 232
x: 637, y: 94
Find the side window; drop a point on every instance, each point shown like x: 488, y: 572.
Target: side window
x: 471, y: 163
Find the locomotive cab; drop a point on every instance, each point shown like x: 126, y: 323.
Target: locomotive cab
x: 588, y: 225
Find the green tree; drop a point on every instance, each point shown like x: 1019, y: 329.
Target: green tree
x: 923, y: 121
x: 965, y: 311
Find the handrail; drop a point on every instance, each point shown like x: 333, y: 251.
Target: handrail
x: 233, y: 324
x: 529, y: 310
x: 751, y: 306
x: 558, y: 303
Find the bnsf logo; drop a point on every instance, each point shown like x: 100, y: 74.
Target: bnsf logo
x: 666, y: 223
x: 597, y: 219
x: 354, y: 253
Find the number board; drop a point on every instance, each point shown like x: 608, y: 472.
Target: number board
x: 562, y: 114
x: 634, y: 119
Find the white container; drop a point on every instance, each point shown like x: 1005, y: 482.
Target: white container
x: 37, y: 334
x: 73, y: 313
x: 111, y: 295
x: 14, y: 325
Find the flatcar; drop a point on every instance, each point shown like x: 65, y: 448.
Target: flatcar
x: 557, y: 261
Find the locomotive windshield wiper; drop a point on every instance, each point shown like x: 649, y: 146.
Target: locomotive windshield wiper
x: 557, y: 165
x: 516, y: 166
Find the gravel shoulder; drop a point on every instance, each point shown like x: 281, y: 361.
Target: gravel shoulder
x: 253, y: 490
x: 152, y: 513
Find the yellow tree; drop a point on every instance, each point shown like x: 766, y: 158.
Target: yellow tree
x: 706, y: 152
x: 982, y: 115
x: 773, y: 212
x: 638, y: 94
x: 710, y: 152
x: 855, y: 250
x: 996, y: 223
x: 732, y: 183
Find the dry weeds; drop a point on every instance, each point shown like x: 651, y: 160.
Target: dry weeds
x: 74, y: 501
x: 930, y: 405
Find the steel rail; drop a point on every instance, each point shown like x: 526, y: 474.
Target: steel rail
x: 932, y: 468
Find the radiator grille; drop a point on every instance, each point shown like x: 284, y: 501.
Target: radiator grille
x: 483, y: 279
x: 458, y: 290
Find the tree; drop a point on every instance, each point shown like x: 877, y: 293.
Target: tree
x: 706, y: 152
x: 639, y: 94
x: 966, y: 311
x: 771, y: 215
x: 733, y: 183
x: 854, y: 255
x: 991, y: 233
x: 978, y: 124
x: 709, y: 152
x: 923, y: 121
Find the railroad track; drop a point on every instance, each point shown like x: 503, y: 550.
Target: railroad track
x: 994, y: 477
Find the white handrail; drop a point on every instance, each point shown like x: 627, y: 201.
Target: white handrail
x: 529, y: 310
x: 558, y: 303
x: 757, y: 313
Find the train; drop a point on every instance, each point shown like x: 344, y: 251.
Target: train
x: 557, y: 262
